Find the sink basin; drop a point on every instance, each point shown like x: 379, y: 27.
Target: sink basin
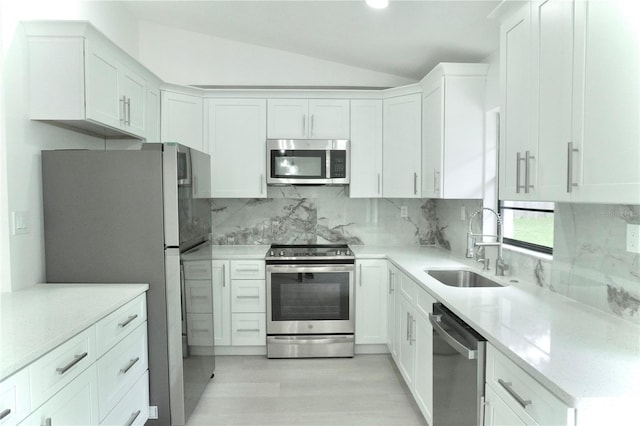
x: 461, y: 278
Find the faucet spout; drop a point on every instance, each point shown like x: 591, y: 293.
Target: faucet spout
x: 471, y: 239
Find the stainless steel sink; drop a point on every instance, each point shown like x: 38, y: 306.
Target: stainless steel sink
x: 461, y: 278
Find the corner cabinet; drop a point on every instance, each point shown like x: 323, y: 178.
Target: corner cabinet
x: 308, y: 119
x: 569, y: 129
x: 366, y: 148
x: 453, y: 131
x: 80, y: 79
x: 371, y: 301
x: 236, y: 134
x: 401, y: 147
x: 182, y: 118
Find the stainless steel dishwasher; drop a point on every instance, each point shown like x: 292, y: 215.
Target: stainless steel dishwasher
x: 458, y: 370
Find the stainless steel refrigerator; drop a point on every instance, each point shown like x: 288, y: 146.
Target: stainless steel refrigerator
x: 126, y: 217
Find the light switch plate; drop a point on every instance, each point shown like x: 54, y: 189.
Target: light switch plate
x: 153, y: 412
x: 633, y: 238
x: 404, y: 211
x: 20, y: 223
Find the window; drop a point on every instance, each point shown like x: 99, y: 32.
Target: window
x: 528, y: 224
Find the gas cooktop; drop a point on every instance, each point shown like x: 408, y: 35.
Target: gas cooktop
x: 306, y: 251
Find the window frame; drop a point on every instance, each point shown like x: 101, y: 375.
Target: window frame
x: 520, y: 243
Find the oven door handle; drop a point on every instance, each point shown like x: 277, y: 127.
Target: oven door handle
x: 310, y: 268
x: 287, y: 340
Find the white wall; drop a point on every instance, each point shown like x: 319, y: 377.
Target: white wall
x: 189, y: 58
x: 22, y: 139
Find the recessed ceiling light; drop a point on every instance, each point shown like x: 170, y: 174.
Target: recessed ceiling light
x: 378, y: 4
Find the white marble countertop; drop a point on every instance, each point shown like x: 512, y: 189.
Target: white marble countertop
x: 209, y: 252
x: 35, y: 320
x: 584, y: 356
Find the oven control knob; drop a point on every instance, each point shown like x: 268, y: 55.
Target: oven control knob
x: 272, y: 253
x: 281, y: 253
x: 338, y: 253
x: 347, y: 252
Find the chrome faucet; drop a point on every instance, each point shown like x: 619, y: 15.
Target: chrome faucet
x: 501, y: 267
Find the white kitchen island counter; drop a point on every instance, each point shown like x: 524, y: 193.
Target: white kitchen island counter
x: 38, y: 319
x: 588, y: 359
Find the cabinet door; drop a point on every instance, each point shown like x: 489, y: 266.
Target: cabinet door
x: 75, y: 404
x: 366, y: 149
x: 553, y: 78
x: 392, y: 335
x: 221, y: 302
x: 287, y: 118
x: 248, y: 296
x: 515, y: 123
x: 371, y: 301
x: 498, y: 413
x: 104, y: 103
x: 402, y: 146
x: 182, y: 119
x: 406, y: 349
x: 249, y: 329
x: 133, y: 88
x: 608, y: 133
x: 424, y: 362
x: 153, y: 115
x: 432, y: 140
x: 328, y: 119
x: 237, y: 145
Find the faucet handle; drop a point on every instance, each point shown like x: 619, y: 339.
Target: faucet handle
x: 485, y: 263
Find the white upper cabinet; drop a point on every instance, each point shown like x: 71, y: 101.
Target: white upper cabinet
x: 182, y: 119
x: 308, y: 119
x: 569, y: 129
x: 453, y: 131
x: 366, y: 148
x: 236, y: 134
x: 401, y: 146
x: 153, y: 113
x: 80, y: 79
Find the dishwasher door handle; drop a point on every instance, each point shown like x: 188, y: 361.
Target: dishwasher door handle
x: 462, y: 349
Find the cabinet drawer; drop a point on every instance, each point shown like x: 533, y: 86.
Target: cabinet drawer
x: 247, y: 269
x: 133, y: 408
x: 56, y: 369
x: 14, y: 398
x: 121, y: 367
x: 408, y: 288
x: 115, y: 326
x: 75, y: 404
x: 523, y: 393
x: 248, y: 329
x: 248, y: 296
x: 200, y: 329
x: 198, y: 297
x: 425, y: 302
x: 200, y: 270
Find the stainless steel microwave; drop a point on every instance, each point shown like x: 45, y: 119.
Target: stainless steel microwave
x: 308, y: 161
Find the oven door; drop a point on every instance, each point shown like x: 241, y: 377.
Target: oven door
x: 310, y: 299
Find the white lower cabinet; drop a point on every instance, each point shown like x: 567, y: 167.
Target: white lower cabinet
x: 371, y: 301
x: 221, y: 302
x: 392, y: 278
x: 514, y: 397
x: 99, y: 376
x: 248, y: 329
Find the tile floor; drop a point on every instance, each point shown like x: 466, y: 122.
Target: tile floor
x: 253, y: 390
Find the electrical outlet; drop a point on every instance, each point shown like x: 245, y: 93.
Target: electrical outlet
x: 153, y: 412
x: 633, y: 238
x: 404, y: 211
x: 463, y: 213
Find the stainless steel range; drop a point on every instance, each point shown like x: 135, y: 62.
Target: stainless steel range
x: 310, y: 301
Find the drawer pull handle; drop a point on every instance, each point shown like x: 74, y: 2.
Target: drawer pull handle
x: 247, y: 269
x: 131, y: 364
x: 128, y: 321
x: 200, y: 330
x: 507, y: 386
x: 133, y: 418
x: 252, y: 330
x: 199, y: 297
x: 76, y: 359
x: 5, y: 413
x: 47, y: 421
x: 247, y: 297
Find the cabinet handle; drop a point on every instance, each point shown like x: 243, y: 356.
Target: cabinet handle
x: 360, y: 276
x: 47, y: 421
x: 527, y: 158
x: 224, y: 275
x: 570, y: 151
x: 507, y: 386
x: 378, y: 183
x: 127, y: 105
x: 127, y: 321
x: 131, y: 364
x: 412, y: 335
x: 408, y: 322
x: 390, y: 281
x: 247, y: 297
x: 200, y: 330
x: 261, y: 184
x: 123, y: 110
x: 76, y: 359
x: 249, y: 330
x: 304, y: 124
x: 133, y: 418
x: 5, y: 413
x: 518, y: 170
x: 415, y: 183
x: 312, y: 123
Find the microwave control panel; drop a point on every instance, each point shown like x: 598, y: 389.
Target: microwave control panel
x: 338, y: 164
